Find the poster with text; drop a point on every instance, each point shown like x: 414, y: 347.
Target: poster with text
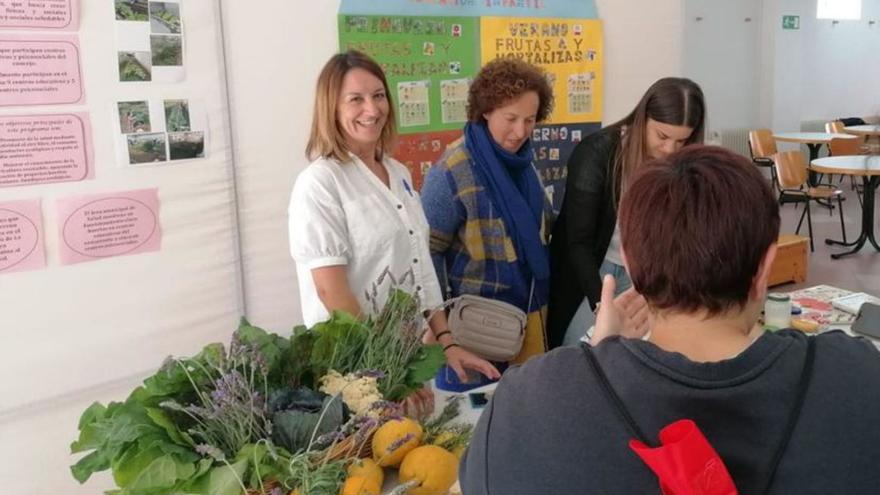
x: 21, y: 236
x: 552, y: 145
x: 46, y: 15
x: 569, y: 50
x: 424, y: 58
x: 107, y: 225
x: 43, y: 149
x: 39, y: 70
x: 432, y: 49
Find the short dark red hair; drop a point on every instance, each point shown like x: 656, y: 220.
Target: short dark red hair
x: 695, y: 227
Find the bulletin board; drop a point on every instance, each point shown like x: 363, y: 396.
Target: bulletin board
x: 432, y: 49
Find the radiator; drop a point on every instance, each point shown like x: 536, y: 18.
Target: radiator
x: 736, y: 140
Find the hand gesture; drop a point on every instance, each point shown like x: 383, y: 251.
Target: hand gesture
x: 460, y: 359
x: 626, y: 315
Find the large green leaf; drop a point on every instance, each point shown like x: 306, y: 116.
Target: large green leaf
x: 220, y: 480
x: 89, y: 435
x: 270, y: 345
x: 132, y: 462
x: 160, y: 476
x: 425, y: 365
x: 92, y: 463
x: 177, y: 376
x: 162, y: 419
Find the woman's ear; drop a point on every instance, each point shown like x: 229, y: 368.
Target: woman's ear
x: 759, y: 282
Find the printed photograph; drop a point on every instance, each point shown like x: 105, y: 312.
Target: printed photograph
x: 165, y: 17
x: 132, y: 10
x: 177, y: 116
x: 135, y: 66
x: 167, y: 49
x: 185, y: 145
x: 146, y: 148
x: 134, y: 116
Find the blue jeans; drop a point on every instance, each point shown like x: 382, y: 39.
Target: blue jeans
x: 583, y: 318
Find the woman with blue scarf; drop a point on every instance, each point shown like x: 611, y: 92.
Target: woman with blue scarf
x: 486, y: 206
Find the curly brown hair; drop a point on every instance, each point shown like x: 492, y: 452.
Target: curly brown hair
x: 505, y: 79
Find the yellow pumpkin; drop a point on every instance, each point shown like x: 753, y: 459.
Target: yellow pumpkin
x: 360, y: 485
x: 393, y: 440
x: 435, y: 468
x: 368, y: 469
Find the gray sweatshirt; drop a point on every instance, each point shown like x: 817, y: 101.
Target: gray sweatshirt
x: 549, y: 428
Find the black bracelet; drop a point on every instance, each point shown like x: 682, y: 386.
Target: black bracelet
x: 447, y: 346
x: 438, y: 335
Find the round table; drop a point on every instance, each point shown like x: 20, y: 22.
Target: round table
x: 813, y: 140
x: 868, y: 168
x: 867, y: 131
x: 863, y: 130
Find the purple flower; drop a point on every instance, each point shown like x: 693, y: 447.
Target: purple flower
x: 400, y: 442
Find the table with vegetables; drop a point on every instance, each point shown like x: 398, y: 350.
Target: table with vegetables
x: 312, y: 413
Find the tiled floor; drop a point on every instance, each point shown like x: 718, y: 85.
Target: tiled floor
x: 857, y: 272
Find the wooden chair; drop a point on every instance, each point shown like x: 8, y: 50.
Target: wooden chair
x: 861, y: 143
x: 762, y: 147
x: 791, y: 169
x: 834, y: 127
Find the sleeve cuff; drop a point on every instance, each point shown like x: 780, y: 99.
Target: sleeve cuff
x: 325, y: 261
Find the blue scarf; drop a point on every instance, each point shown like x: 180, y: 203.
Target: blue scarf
x: 514, y: 189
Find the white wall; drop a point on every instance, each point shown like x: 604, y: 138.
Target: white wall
x: 822, y: 70
x: 643, y: 42
x: 721, y: 54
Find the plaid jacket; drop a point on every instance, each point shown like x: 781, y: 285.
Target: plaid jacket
x: 470, y: 247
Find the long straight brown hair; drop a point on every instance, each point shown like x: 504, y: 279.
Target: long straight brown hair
x: 326, y: 138
x: 671, y: 100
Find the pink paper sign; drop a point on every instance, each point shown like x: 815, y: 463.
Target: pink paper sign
x: 106, y: 225
x: 36, y: 70
x: 39, y: 14
x: 21, y: 236
x: 41, y: 149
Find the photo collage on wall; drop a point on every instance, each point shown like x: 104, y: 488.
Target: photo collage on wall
x: 150, y: 41
x: 160, y: 131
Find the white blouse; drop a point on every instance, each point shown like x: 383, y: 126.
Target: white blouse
x: 342, y: 214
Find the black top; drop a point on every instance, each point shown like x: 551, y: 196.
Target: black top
x: 582, y: 231
x: 540, y: 434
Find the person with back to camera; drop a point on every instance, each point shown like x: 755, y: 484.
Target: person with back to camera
x: 784, y: 412
x: 586, y: 238
x: 356, y: 223
x: 488, y: 211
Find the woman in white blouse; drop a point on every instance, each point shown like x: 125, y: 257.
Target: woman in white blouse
x: 356, y: 223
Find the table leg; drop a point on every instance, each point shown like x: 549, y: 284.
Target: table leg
x: 867, y: 234
x: 814, y: 153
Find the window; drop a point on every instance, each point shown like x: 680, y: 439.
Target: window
x: 839, y: 9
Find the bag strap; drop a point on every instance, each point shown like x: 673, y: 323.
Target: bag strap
x: 794, y: 414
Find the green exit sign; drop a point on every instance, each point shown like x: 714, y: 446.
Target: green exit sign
x: 791, y: 22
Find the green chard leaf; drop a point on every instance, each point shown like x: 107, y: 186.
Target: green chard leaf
x: 425, y: 364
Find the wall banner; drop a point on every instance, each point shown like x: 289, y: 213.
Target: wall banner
x: 431, y: 50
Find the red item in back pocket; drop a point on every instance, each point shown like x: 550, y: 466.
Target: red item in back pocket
x: 685, y: 463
